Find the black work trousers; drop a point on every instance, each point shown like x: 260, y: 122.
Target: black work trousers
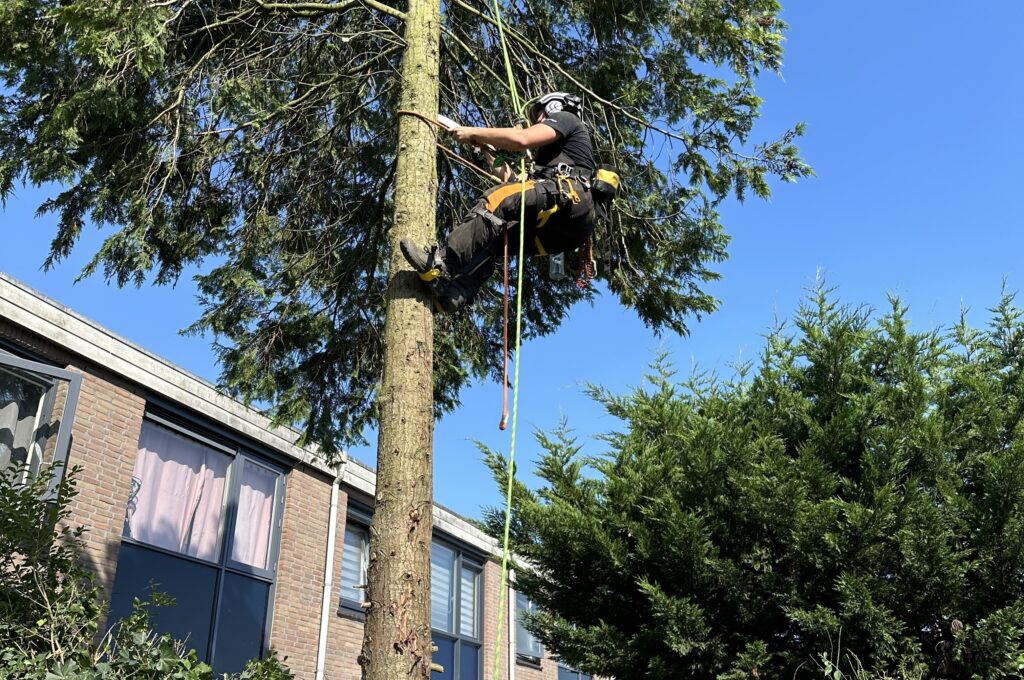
x: 559, y: 218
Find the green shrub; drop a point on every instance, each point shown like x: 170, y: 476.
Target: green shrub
x: 863, y: 482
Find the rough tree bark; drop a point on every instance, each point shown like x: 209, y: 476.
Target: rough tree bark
x: 396, y: 642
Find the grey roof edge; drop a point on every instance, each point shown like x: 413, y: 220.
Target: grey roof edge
x: 37, y: 313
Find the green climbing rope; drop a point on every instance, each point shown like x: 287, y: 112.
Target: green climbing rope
x: 503, y: 588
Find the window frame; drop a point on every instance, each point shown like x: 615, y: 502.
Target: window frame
x: 276, y: 518
x: 465, y: 558
x: 360, y: 515
x: 521, y: 657
x: 239, y: 454
x: 67, y: 417
x: 578, y: 675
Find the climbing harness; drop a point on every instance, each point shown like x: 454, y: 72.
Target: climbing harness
x: 604, y: 186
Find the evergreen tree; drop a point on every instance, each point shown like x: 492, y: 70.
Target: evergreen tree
x: 259, y: 139
x: 854, y: 504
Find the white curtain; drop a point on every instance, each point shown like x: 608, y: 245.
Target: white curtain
x: 255, y: 515
x: 354, y: 564
x: 180, y: 493
x: 442, y: 571
x: 467, y: 604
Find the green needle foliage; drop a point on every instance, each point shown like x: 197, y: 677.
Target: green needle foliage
x: 853, y: 501
x: 257, y: 140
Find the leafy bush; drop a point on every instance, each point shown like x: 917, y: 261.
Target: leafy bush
x: 50, y: 603
x: 863, y: 481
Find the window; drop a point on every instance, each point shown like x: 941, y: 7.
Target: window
x: 566, y: 673
x: 201, y: 525
x: 177, y: 494
x: 455, y: 612
x: 37, y: 406
x: 355, y: 558
x: 528, y: 647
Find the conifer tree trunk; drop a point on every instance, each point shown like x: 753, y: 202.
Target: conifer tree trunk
x: 396, y: 642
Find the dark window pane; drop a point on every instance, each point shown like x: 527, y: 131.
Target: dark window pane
x: 469, y: 662
x: 527, y: 646
x: 22, y: 417
x: 192, y: 585
x: 243, y: 614
x: 565, y: 673
x: 445, y: 655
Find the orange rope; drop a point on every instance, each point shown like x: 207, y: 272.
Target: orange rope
x: 585, y: 264
x: 504, y: 347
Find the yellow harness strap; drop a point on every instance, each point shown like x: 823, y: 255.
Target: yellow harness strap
x: 542, y: 218
x: 569, y: 191
x: 495, y: 198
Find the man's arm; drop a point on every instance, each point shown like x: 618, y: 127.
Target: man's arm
x: 507, y: 139
x: 504, y: 172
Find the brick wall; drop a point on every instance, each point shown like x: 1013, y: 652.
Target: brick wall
x: 492, y: 591
x: 300, y: 569
x: 548, y: 669
x: 105, y: 439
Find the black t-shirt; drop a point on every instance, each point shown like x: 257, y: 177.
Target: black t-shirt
x: 573, y: 145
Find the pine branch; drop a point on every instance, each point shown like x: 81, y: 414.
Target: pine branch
x: 321, y: 8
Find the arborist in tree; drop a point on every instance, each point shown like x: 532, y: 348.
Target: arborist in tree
x: 560, y: 211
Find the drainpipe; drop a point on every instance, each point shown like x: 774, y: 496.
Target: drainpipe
x: 325, y: 607
x: 510, y: 595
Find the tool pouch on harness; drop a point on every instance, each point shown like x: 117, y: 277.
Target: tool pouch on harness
x: 603, y: 188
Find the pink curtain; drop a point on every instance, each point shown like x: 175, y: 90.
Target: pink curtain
x: 180, y: 493
x: 255, y: 516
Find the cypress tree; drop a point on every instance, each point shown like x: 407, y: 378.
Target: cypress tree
x: 850, y: 505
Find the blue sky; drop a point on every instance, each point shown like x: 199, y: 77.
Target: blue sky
x: 912, y: 113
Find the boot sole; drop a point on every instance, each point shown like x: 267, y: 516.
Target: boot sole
x: 413, y: 257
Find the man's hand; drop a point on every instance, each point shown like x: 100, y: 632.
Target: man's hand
x: 463, y: 134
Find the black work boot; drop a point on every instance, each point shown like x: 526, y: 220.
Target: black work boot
x: 452, y: 297
x: 424, y: 259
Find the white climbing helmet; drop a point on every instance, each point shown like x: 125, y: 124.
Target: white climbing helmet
x: 553, y: 102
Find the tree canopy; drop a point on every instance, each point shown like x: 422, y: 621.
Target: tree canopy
x: 257, y: 140
x: 858, y: 493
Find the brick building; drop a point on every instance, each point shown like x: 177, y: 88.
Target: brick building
x: 261, y: 544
